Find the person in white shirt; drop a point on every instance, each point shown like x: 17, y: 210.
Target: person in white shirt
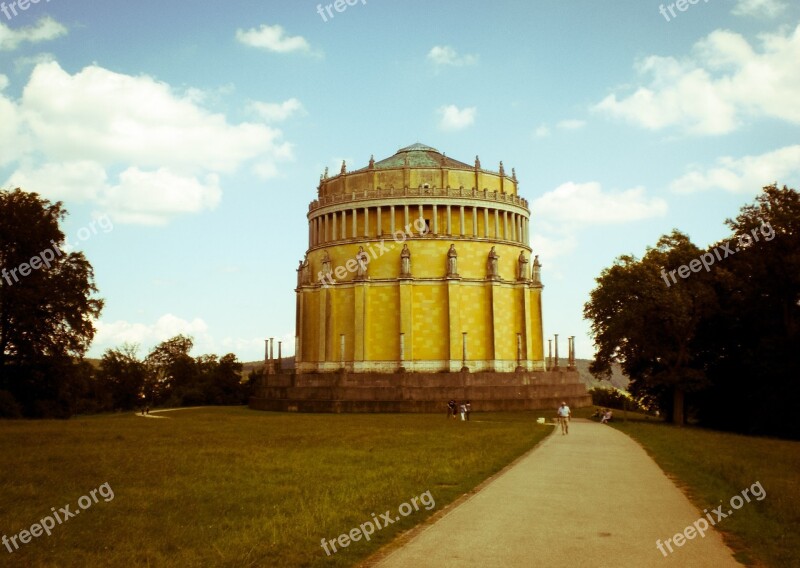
x: 564, y: 414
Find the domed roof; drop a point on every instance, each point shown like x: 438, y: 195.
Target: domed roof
x: 419, y: 156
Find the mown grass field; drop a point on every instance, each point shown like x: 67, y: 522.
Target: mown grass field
x: 712, y: 467
x: 235, y: 487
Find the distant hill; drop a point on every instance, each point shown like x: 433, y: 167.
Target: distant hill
x: 617, y: 378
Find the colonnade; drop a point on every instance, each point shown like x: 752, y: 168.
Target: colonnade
x: 500, y: 223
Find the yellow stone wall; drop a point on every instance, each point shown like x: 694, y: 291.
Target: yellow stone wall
x: 399, y: 178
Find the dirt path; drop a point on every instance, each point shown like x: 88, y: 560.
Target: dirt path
x: 591, y: 498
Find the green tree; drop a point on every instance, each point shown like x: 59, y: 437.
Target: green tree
x: 171, y: 366
x: 648, y: 323
x: 125, y: 376
x: 47, y: 303
x: 751, y: 344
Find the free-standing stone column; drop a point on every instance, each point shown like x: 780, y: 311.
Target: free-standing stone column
x: 555, y: 368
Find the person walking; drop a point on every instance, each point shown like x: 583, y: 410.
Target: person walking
x: 564, y: 414
x: 451, y: 408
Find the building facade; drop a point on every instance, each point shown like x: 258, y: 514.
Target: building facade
x: 419, y: 263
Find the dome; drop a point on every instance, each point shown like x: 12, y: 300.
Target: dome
x: 419, y: 156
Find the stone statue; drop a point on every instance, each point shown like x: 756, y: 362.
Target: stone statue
x: 305, y: 271
x: 522, y: 263
x: 452, y: 261
x: 326, y: 264
x: 362, y: 260
x: 477, y: 163
x: 491, y: 265
x: 405, y: 261
x: 537, y: 271
x: 300, y: 274
x: 502, y: 171
x: 344, y: 168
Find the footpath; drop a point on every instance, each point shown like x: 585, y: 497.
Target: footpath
x: 591, y: 498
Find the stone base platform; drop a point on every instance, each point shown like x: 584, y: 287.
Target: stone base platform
x: 418, y: 392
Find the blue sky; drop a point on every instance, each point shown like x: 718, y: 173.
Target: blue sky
x: 200, y: 130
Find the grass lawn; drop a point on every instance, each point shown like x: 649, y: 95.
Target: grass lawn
x: 235, y: 487
x: 713, y: 466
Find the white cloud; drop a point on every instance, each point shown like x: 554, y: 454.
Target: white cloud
x: 277, y: 112
x: 744, y: 175
x: 587, y: 204
x: 759, y: 8
x: 45, y: 29
x: 571, y: 124
x: 272, y: 38
x: 724, y: 82
x: 80, y: 180
x: 453, y: 118
x: 114, y: 334
x: 147, y: 335
x: 446, y: 55
x: 170, y: 150
x: 542, y: 131
x: 152, y: 198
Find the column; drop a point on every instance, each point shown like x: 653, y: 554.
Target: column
x: 555, y: 367
x: 391, y: 220
x: 380, y: 228
x: 486, y: 222
x: 354, y: 213
x: 366, y: 221
x: 496, y: 224
x: 406, y: 317
x: 453, y: 295
x: 461, y: 219
x: 505, y: 225
x: 325, y: 225
x: 405, y: 219
x: 402, y: 349
x: 435, y: 220
x: 335, y: 228
x: 344, y: 223
x: 421, y: 220
x: 360, y: 323
x: 298, y: 342
x: 322, y: 341
x: 449, y: 228
x: 474, y: 221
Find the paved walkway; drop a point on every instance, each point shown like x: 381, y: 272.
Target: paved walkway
x: 592, y: 498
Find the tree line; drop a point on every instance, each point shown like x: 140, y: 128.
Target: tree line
x: 48, y: 306
x: 712, y: 334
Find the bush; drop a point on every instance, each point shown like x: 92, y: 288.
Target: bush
x: 614, y: 398
x: 9, y: 407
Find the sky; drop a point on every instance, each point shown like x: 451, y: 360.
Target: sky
x: 186, y: 140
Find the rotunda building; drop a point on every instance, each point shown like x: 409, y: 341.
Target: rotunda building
x: 419, y: 263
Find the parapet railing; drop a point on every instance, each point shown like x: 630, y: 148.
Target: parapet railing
x: 363, y: 195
